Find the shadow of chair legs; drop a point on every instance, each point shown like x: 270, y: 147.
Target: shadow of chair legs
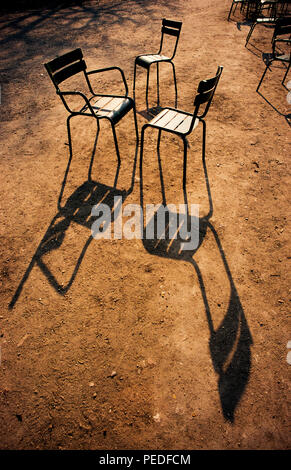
x: 77, y: 209
x: 230, y: 343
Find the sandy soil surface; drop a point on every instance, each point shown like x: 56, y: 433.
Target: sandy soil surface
x: 116, y: 344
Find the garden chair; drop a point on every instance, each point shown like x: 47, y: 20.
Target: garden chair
x: 97, y: 105
x: 182, y: 123
x: 276, y: 9
x: 234, y: 4
x: 282, y: 28
x: 172, y: 28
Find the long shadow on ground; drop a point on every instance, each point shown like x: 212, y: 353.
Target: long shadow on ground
x: 230, y: 343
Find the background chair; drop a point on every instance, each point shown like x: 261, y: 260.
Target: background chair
x: 234, y: 4
x: 275, y: 9
x: 183, y: 123
x: 282, y: 28
x: 99, y: 106
x: 172, y: 28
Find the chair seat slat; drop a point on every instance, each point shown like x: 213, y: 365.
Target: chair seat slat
x: 176, y: 121
x: 163, y: 120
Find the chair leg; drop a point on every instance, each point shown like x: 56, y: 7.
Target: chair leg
x: 286, y: 73
x: 141, y: 159
x: 262, y: 77
x: 205, y: 169
x: 230, y: 11
x: 185, y: 163
x: 69, y: 162
x: 160, y: 168
x: 136, y: 150
x: 134, y: 78
x: 117, y: 153
x: 158, y: 85
x: 250, y: 33
x: 175, y: 83
x: 94, y: 151
x: 147, y: 88
x: 135, y: 125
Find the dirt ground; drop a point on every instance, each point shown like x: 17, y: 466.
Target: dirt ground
x: 115, y: 344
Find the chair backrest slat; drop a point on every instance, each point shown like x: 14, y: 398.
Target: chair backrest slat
x: 69, y: 71
x: 283, y: 26
x: 172, y: 28
x: 172, y: 32
x: 205, y: 92
x: 65, y: 66
x: 204, y: 97
x: 206, y: 85
x: 172, y: 24
x: 66, y: 59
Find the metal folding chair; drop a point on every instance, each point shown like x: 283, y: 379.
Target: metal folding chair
x: 97, y: 105
x: 276, y: 9
x: 182, y: 123
x: 172, y: 28
x: 234, y: 5
x: 282, y: 28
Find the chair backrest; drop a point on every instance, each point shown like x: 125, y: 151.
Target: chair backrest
x: 172, y: 28
x: 253, y: 8
x: 205, y: 93
x: 282, y: 8
x: 66, y: 66
x: 282, y: 26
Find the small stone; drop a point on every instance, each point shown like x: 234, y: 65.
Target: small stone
x: 91, y: 384
x: 157, y: 418
x: 113, y: 373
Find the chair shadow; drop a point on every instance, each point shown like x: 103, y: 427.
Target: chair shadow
x: 150, y: 113
x: 77, y: 209
x: 230, y: 344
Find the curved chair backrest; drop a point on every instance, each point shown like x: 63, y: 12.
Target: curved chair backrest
x: 66, y: 66
x: 173, y: 28
x: 282, y: 26
x: 205, y: 93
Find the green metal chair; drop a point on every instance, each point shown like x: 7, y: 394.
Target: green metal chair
x: 182, y: 123
x: 234, y: 5
x: 172, y: 28
x: 275, y: 9
x: 282, y: 28
x: 97, y: 105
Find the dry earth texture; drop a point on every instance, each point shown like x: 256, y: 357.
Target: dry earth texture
x: 127, y: 344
